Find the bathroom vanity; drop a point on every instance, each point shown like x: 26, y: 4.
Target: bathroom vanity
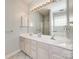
x: 54, y: 18
x: 44, y: 47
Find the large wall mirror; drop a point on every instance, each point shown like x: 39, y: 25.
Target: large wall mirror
x: 53, y: 18
x: 40, y: 21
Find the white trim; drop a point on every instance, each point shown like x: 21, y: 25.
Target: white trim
x: 13, y: 53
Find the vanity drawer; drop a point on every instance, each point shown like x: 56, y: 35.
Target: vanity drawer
x: 42, y: 45
x: 61, y: 51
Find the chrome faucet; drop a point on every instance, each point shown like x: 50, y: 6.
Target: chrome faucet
x: 39, y: 34
x: 53, y: 37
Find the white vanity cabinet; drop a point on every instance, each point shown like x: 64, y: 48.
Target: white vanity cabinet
x: 25, y: 45
x: 22, y: 43
x: 33, y: 49
x: 60, y: 53
x: 43, y: 51
x: 55, y: 56
x: 40, y: 50
x: 28, y: 46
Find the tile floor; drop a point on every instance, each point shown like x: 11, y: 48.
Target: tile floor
x: 19, y: 55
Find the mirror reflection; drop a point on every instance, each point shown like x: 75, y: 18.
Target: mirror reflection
x: 40, y: 21
x: 54, y: 18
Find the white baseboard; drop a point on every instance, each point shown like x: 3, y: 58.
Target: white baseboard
x: 13, y: 53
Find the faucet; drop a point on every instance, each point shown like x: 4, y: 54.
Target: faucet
x: 53, y: 37
x: 39, y: 34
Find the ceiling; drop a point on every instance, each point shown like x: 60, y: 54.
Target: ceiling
x: 31, y: 1
x: 34, y: 1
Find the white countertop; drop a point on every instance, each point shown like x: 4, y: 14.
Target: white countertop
x: 60, y: 41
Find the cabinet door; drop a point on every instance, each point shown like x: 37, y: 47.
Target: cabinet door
x: 22, y: 43
x: 57, y: 57
x: 43, y: 52
x: 28, y: 46
x: 33, y: 54
x: 60, y: 53
x: 33, y: 49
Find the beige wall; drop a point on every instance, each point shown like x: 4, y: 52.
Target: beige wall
x: 14, y: 10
